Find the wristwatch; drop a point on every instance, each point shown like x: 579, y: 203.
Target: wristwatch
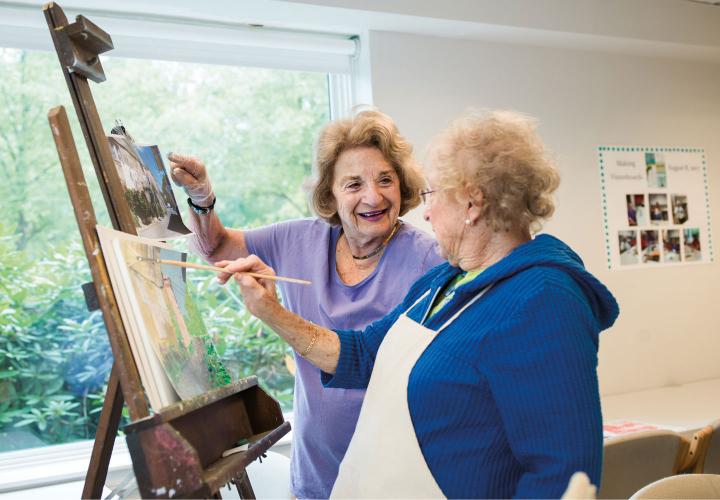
x: 201, y: 210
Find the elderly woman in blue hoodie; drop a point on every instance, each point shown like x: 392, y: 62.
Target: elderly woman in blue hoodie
x: 482, y: 382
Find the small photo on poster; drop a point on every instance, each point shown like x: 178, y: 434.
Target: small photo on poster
x: 655, y: 170
x: 658, y: 208
x: 691, y: 237
x: 671, y: 245
x: 627, y: 241
x: 679, y: 208
x: 636, y: 213
x: 649, y: 246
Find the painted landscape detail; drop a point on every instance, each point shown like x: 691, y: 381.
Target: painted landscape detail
x: 171, y: 320
x: 147, y: 189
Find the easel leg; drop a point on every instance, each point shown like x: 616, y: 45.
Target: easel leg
x: 242, y: 483
x: 104, y: 438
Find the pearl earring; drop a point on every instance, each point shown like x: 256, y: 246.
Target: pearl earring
x: 467, y: 222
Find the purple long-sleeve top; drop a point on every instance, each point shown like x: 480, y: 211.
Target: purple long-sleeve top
x: 324, y: 419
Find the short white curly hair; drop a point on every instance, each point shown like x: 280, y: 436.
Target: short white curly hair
x: 501, y: 154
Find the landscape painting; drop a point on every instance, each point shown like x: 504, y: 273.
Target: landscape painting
x: 159, y: 311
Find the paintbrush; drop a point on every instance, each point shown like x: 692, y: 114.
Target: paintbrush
x: 190, y: 265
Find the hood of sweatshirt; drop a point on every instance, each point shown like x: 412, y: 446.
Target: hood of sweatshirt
x: 542, y: 251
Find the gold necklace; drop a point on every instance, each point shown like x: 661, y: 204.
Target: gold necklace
x: 394, y: 231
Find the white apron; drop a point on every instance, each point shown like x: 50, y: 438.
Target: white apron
x: 384, y: 459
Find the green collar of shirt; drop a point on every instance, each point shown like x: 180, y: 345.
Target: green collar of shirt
x: 447, y: 293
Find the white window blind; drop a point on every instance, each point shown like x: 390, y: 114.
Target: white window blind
x: 176, y: 38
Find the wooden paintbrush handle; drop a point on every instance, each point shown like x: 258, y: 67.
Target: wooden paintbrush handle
x: 191, y: 265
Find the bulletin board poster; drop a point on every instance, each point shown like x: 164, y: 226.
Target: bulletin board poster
x: 656, y: 207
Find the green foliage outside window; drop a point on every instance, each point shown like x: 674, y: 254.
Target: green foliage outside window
x: 254, y: 130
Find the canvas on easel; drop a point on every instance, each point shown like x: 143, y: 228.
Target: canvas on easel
x: 175, y: 354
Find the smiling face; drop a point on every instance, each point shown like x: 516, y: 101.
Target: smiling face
x: 367, y: 193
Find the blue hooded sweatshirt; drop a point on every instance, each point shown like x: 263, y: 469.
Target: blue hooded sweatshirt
x: 505, y: 400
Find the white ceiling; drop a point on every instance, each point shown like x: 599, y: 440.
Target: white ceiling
x: 668, y: 28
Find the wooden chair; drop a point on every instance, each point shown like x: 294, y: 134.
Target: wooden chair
x: 706, y: 444
x: 635, y: 460
x: 683, y: 486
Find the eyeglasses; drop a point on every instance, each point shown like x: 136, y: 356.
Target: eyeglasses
x: 425, y: 195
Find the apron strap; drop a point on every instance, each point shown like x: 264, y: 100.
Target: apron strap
x: 417, y: 302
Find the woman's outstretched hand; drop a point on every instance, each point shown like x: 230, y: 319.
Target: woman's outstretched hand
x: 190, y: 173
x: 318, y: 345
x: 260, y: 295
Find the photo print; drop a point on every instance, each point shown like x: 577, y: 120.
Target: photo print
x: 655, y: 170
x: 649, y: 246
x: 627, y: 242
x: 172, y: 348
x: 671, y: 245
x: 691, y: 246
x: 147, y: 189
x: 658, y: 208
x: 636, y: 213
x: 679, y: 208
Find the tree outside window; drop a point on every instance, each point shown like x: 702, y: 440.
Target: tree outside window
x: 253, y: 127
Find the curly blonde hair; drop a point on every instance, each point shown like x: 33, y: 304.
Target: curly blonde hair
x: 500, y: 154
x: 369, y: 128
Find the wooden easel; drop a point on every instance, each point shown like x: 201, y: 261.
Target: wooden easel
x: 177, y: 451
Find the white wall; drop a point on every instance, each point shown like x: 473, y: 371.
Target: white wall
x: 668, y: 331
x: 671, y: 21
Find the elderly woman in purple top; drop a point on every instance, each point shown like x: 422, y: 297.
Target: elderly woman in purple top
x: 364, y: 178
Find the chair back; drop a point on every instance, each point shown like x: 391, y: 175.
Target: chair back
x: 635, y: 460
x: 708, y: 449
x: 683, y: 486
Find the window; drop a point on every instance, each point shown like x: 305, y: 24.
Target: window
x: 254, y: 129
